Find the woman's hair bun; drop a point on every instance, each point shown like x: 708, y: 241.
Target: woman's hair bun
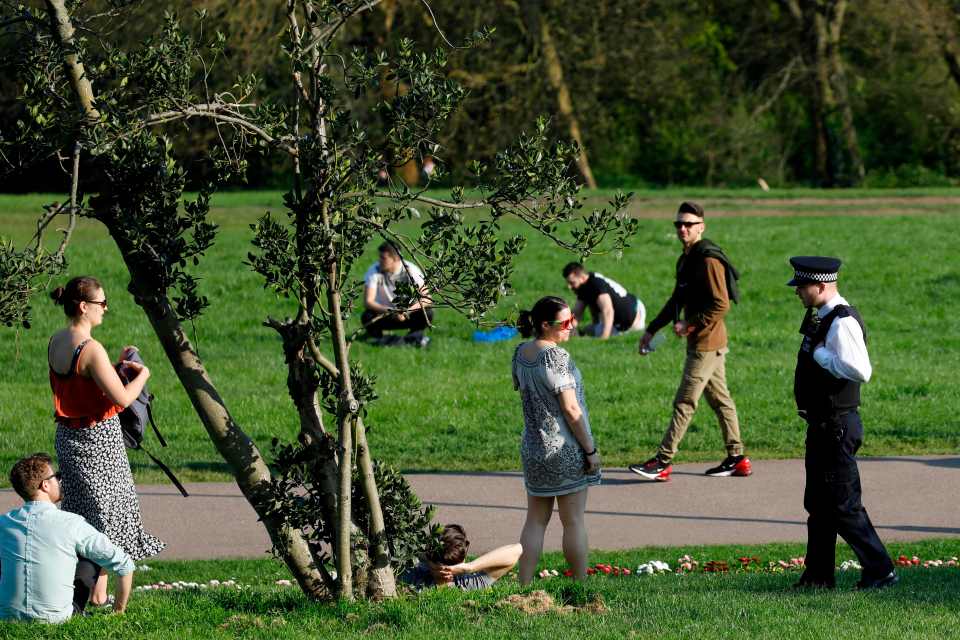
x: 57, y: 295
x: 525, y: 323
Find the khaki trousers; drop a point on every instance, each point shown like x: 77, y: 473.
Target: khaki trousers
x: 703, y: 374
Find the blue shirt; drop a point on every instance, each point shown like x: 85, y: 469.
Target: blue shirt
x: 39, y: 545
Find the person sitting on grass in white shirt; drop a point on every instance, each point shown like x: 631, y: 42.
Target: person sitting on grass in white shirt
x: 379, y: 298
x: 50, y: 559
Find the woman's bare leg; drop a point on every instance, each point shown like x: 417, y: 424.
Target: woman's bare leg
x: 539, y: 510
x: 572, y: 507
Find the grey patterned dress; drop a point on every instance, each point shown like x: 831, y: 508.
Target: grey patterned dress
x: 553, y: 462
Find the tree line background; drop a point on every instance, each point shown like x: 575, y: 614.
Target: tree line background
x: 657, y: 92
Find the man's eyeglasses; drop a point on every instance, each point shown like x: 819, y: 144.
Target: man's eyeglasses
x: 102, y: 303
x: 563, y: 324
x: 685, y: 223
x: 55, y: 475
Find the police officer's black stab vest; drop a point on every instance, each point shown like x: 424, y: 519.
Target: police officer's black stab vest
x: 817, y: 391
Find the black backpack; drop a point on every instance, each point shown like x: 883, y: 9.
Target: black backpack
x: 133, y: 422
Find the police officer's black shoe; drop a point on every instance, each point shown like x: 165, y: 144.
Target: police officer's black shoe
x: 879, y: 583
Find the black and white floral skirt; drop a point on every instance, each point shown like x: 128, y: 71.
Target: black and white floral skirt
x: 98, y: 485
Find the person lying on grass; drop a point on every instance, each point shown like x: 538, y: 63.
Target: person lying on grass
x: 447, y: 566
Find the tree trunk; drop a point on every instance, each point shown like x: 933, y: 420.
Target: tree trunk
x: 939, y: 22
x: 821, y: 24
x: 346, y: 414
x: 838, y: 80
x: 243, y: 456
x: 540, y: 28
x: 239, y: 451
x: 382, y: 582
x: 62, y: 26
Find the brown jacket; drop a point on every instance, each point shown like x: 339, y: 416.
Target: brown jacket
x: 701, y: 291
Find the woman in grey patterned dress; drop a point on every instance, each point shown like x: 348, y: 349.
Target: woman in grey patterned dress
x: 87, y: 396
x: 560, y: 459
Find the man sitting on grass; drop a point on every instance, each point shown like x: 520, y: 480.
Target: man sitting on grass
x: 446, y: 567
x: 47, y: 555
x: 379, y: 293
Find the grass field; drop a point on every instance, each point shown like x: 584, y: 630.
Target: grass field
x: 451, y: 406
x: 926, y: 604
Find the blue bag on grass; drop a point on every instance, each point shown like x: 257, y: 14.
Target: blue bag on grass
x: 497, y: 334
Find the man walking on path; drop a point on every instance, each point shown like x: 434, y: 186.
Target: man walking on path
x: 831, y: 365
x: 706, y: 282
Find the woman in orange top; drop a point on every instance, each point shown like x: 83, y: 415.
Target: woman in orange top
x: 87, y: 396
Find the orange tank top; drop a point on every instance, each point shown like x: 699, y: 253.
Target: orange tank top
x: 77, y: 400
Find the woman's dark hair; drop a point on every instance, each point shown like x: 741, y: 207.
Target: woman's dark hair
x: 80, y: 289
x: 545, y: 310
x: 455, y: 545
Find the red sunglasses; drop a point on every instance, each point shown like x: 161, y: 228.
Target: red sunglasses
x: 564, y: 324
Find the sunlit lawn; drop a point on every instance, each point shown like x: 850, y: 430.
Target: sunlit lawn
x: 926, y: 604
x: 451, y: 406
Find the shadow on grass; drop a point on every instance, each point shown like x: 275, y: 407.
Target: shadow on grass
x: 257, y: 601
x: 927, y: 587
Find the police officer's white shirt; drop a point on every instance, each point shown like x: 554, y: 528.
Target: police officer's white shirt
x: 844, y: 352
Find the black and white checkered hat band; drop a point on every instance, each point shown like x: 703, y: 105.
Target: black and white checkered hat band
x: 816, y: 277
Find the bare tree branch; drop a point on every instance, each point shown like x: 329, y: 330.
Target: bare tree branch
x: 784, y: 83
x: 215, y: 112
x: 326, y: 36
x: 74, y: 185
x: 78, y: 75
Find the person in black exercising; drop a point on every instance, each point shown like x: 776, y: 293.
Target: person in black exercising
x: 831, y: 365
x: 613, y: 310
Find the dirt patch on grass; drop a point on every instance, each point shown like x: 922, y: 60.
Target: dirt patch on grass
x: 850, y: 202
x: 539, y: 602
x: 777, y: 211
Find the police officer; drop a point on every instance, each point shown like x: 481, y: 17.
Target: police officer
x: 831, y: 365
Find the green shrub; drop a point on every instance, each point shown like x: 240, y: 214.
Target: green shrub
x: 907, y: 175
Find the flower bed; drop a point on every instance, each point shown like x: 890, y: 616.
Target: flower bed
x: 686, y: 564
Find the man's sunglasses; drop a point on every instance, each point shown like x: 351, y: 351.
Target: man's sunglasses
x: 55, y: 475
x: 564, y: 324
x: 685, y: 223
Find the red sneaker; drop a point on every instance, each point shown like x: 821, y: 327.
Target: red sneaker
x: 732, y: 466
x: 653, y: 469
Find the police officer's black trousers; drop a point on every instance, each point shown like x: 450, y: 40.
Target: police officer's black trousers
x: 832, y: 498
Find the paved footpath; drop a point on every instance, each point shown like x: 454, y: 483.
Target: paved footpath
x: 907, y: 498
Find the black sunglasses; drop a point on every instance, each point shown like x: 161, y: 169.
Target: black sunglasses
x: 55, y: 475
x: 102, y: 303
x: 685, y: 223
